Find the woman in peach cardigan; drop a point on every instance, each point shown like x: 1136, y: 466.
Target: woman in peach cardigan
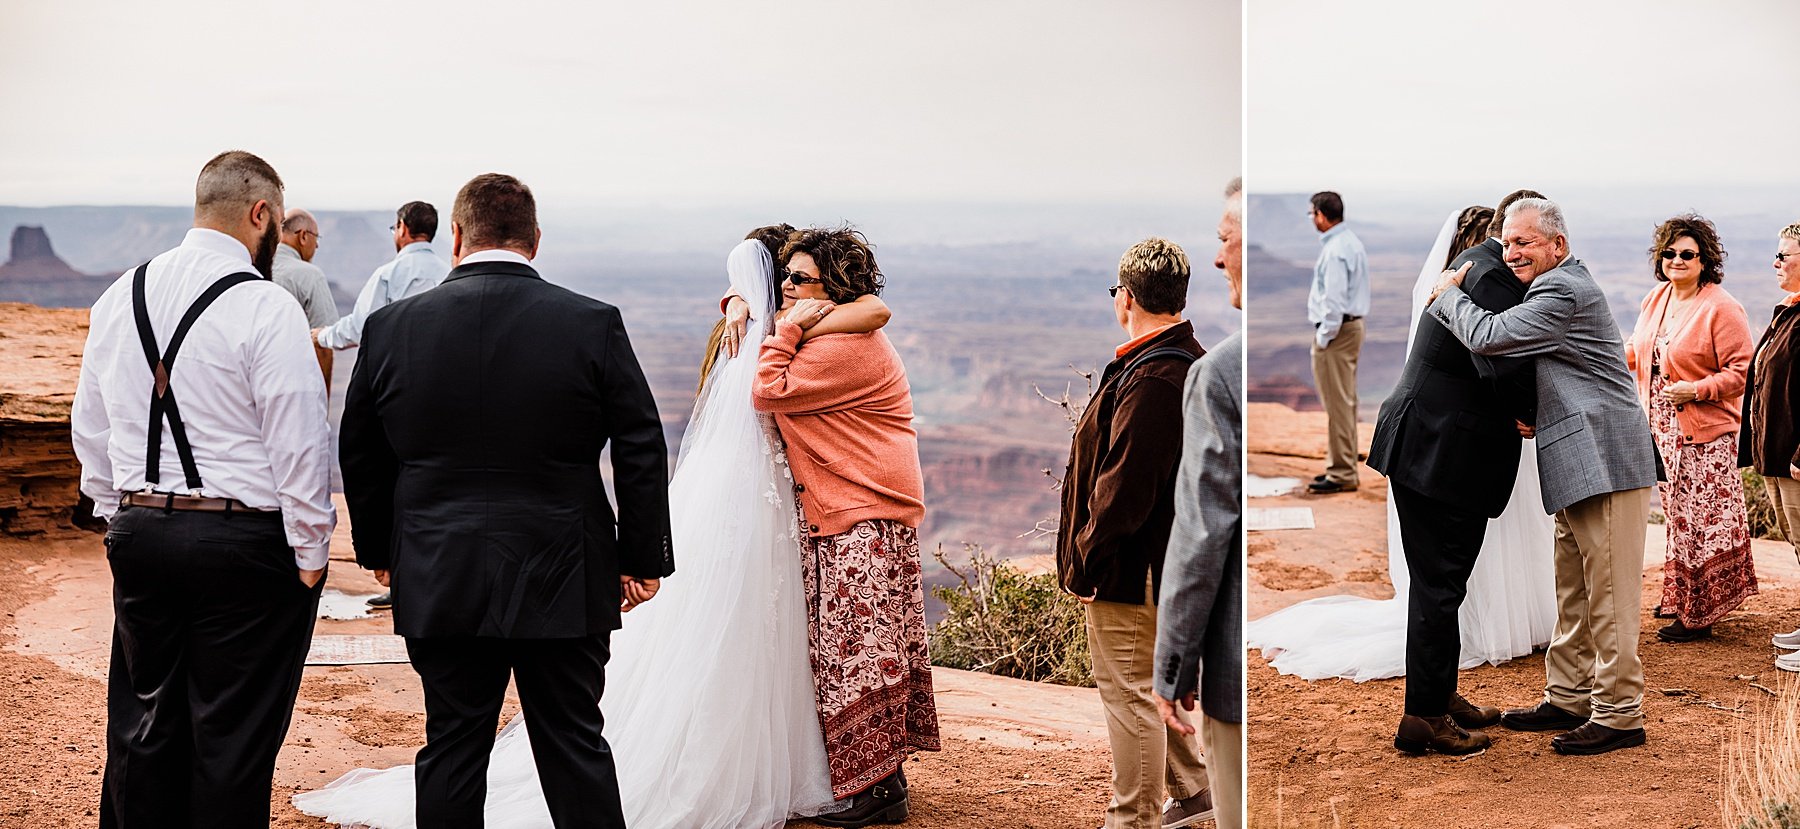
x: 1690, y: 351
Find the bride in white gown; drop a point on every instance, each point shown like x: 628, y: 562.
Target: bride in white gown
x: 1511, y: 604
x: 709, y: 694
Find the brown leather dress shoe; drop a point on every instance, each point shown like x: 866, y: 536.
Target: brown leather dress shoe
x: 1541, y: 717
x: 1594, y: 738
x: 1421, y: 735
x: 1470, y: 715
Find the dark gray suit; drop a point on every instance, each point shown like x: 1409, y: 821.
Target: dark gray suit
x: 1596, y: 466
x: 1452, y: 412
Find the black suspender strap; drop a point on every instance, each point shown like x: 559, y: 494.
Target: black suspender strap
x: 162, y: 397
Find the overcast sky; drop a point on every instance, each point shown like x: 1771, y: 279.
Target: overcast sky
x: 676, y: 104
x: 1405, y: 94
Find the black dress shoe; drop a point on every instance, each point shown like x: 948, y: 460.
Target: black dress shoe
x: 1470, y: 715
x: 1327, y: 487
x: 382, y: 602
x: 1541, y: 717
x: 884, y: 802
x: 1318, y: 478
x: 1422, y: 735
x: 1594, y: 738
x: 1678, y: 632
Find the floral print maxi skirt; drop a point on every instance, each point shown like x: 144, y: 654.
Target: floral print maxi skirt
x: 866, y: 601
x: 1707, y: 569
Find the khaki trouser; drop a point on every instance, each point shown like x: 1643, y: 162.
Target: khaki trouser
x: 1224, y: 743
x: 1592, y: 666
x: 1147, y: 755
x: 1784, y: 496
x: 1334, y: 373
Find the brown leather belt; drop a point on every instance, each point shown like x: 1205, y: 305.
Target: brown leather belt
x: 188, y: 503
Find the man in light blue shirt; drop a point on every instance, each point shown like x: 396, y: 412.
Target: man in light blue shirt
x: 414, y: 270
x: 1336, y: 305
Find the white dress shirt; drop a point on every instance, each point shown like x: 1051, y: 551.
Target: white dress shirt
x: 414, y: 270
x: 495, y: 255
x: 248, y: 386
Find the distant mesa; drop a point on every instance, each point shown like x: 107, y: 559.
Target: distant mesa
x: 35, y: 274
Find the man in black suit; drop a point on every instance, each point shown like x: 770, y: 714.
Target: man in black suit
x: 1448, y: 441
x: 471, y: 443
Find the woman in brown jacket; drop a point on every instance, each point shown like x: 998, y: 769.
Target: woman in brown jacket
x: 1770, y: 437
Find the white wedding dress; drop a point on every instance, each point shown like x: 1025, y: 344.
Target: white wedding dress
x: 1511, y: 604
x: 709, y: 693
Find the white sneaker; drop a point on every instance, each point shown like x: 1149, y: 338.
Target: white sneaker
x: 1791, y: 641
x: 1788, y: 662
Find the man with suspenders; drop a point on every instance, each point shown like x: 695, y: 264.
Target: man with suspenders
x: 1118, y: 506
x: 200, y: 424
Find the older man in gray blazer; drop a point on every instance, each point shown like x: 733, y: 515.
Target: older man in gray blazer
x: 1200, y: 635
x: 1596, y: 464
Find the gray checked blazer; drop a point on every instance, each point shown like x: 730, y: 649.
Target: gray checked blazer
x: 1592, y: 435
x: 1200, y: 611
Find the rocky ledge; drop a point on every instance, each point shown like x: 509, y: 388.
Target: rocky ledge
x: 40, y: 362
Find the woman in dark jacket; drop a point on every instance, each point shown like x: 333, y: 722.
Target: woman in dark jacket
x: 1769, y: 441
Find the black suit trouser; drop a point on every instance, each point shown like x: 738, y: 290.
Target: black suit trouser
x: 211, y: 626
x: 1441, y: 541
x: 560, y: 682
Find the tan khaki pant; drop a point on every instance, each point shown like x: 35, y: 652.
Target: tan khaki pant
x: 1592, y: 666
x: 1784, y: 496
x: 1147, y: 755
x: 1334, y: 373
x: 1224, y: 743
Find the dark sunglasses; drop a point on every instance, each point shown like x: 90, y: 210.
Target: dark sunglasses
x: 1684, y: 254
x: 1783, y: 257
x: 1114, y: 291
x: 802, y: 279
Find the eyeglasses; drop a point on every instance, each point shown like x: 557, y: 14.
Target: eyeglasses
x: 1684, y: 254
x: 802, y: 279
x: 1783, y: 257
x: 1114, y: 291
x: 393, y: 227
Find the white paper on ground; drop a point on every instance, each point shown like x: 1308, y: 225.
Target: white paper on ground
x: 335, y: 604
x: 358, y: 649
x: 1256, y: 486
x: 1263, y: 519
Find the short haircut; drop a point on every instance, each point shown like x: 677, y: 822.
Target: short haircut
x: 421, y: 218
x: 1499, y: 221
x: 496, y: 210
x: 845, y: 259
x: 1790, y: 232
x: 1156, y: 273
x: 1330, y: 205
x: 1550, y: 217
x: 234, y: 180
x: 1234, y: 199
x: 298, y: 220
x: 1705, y: 236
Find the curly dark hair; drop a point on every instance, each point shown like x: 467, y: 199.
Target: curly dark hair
x: 1696, y: 227
x: 1471, y: 230
x: 845, y: 258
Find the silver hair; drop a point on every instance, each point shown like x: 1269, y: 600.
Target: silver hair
x: 297, y: 220
x: 1234, y: 199
x: 1550, y: 220
x: 234, y: 180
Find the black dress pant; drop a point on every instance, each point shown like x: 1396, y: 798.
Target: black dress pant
x: 560, y: 681
x: 211, y: 626
x: 1441, y: 541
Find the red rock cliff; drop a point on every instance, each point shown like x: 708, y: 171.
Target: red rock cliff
x: 40, y: 362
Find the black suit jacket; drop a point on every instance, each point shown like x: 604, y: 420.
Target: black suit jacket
x: 471, y: 446
x: 1447, y: 431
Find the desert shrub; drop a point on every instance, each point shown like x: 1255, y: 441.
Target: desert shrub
x: 1003, y: 620
x: 1756, y: 503
x: 1762, y: 765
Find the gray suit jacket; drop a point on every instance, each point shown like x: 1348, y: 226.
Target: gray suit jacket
x: 1592, y: 435
x: 1199, y: 626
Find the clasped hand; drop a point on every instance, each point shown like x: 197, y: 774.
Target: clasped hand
x: 636, y: 591
x: 1448, y: 280
x: 1681, y: 391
